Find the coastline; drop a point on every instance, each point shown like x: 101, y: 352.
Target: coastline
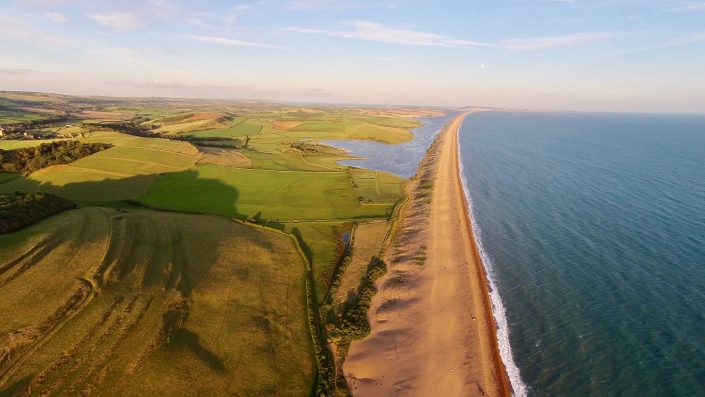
x: 433, y: 330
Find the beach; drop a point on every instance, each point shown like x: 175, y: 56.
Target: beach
x: 433, y: 332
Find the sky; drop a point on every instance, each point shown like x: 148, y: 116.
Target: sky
x: 590, y: 55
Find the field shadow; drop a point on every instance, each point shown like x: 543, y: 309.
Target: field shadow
x: 16, y: 388
x: 191, y: 342
x: 130, y: 190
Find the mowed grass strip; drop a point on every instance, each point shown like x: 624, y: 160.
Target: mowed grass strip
x: 261, y: 194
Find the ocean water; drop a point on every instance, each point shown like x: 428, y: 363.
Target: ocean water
x: 400, y: 159
x: 592, y: 228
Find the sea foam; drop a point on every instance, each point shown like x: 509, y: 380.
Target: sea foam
x: 519, y: 388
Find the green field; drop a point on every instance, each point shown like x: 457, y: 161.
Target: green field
x: 166, y: 300
x: 121, y: 172
x: 262, y: 194
x: 174, y: 296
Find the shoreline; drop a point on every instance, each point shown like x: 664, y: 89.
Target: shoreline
x: 433, y: 329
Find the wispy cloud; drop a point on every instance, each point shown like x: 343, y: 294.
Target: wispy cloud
x: 18, y: 71
x: 55, y: 17
x: 681, y: 41
x: 168, y: 84
x: 118, y: 20
x: 321, y: 5
x: 15, y: 31
x: 373, y: 31
x: 690, y: 6
x: 230, y: 42
x: 569, y: 40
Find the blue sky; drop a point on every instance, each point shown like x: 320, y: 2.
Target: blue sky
x: 605, y: 55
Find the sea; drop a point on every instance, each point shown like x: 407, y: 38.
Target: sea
x: 399, y: 159
x: 592, y: 230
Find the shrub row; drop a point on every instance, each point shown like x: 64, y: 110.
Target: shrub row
x: 325, y: 364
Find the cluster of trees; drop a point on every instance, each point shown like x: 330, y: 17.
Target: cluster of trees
x: 21, y: 209
x: 60, y: 152
x: 306, y: 147
x: 354, y: 323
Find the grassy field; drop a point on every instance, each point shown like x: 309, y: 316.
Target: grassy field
x: 14, y: 144
x: 121, y: 172
x: 367, y: 242
x: 322, y: 242
x: 267, y: 195
x: 179, y: 304
x: 189, y: 303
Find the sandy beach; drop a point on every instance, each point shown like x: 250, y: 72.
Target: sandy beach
x: 433, y: 333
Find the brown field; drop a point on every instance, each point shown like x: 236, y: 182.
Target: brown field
x: 108, y: 116
x: 224, y: 158
x: 285, y: 125
x: 113, y: 302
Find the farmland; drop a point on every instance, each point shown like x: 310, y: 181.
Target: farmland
x: 211, y: 243
x: 158, y: 297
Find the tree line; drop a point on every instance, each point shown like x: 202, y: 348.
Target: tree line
x: 27, y: 160
x: 23, y: 209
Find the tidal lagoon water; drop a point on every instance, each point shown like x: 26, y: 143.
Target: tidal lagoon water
x: 592, y: 227
x: 401, y: 159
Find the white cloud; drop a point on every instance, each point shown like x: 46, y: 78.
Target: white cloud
x: 693, y: 38
x: 321, y: 5
x: 55, y: 17
x: 542, y: 43
x: 230, y: 42
x: 15, y: 31
x: 373, y: 31
x: 690, y: 6
x: 118, y: 20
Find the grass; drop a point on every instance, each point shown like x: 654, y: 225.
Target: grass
x: 14, y: 144
x: 376, y: 187
x: 7, y: 176
x: 322, y: 244
x: 124, y: 171
x: 192, y: 303
x: 188, y: 304
x: 239, y: 129
x: 367, y: 242
x: 393, y: 122
x: 269, y: 195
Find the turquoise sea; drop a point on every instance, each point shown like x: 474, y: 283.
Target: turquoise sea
x: 592, y: 228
